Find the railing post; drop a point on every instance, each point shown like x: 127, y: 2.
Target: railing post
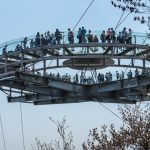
x: 63, y: 39
x: 6, y: 60
x: 135, y: 45
x: 63, y: 46
x: 57, y: 62
x: 22, y: 56
x: 44, y: 67
x: 88, y: 50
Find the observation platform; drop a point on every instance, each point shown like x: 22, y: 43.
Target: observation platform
x: 25, y: 72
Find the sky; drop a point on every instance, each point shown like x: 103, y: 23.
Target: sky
x: 21, y: 18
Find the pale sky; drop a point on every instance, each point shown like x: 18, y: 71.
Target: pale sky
x: 20, y: 18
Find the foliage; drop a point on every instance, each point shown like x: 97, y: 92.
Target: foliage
x: 134, y: 134
x: 65, y: 142
x: 141, y: 8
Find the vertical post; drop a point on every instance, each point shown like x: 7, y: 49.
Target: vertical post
x: 10, y: 92
x: 44, y: 67
x: 63, y: 46
x: 132, y: 61
x: 88, y: 50
x: 144, y: 64
x: 135, y: 45
x: 33, y: 68
x: 6, y: 60
x: 118, y: 61
x: 63, y: 39
x: 57, y: 62
x: 22, y: 57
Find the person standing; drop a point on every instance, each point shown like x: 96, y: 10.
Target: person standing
x: 90, y: 37
x: 25, y: 43
x: 103, y: 37
x: 113, y: 35
x: 124, y: 33
x: 37, y: 39
x: 130, y: 36
x: 58, y: 36
x: 83, y: 33
x: 79, y: 36
x: 108, y: 36
x: 70, y: 36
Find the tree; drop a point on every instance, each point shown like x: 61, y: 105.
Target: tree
x: 134, y: 133
x: 66, y: 142
x: 141, y: 9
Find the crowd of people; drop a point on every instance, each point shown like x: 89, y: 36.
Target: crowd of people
x: 96, y: 78
x: 82, y: 36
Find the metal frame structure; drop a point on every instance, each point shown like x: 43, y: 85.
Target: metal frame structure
x: 18, y: 74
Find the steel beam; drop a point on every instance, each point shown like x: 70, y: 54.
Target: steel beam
x: 31, y: 88
x: 120, y: 85
x: 66, y: 86
x: 31, y: 78
x: 31, y: 97
x: 126, y: 51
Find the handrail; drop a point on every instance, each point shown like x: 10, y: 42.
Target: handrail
x: 12, y: 45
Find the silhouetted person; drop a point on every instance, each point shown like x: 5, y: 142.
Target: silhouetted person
x: 43, y: 40
x: 25, y: 43
x: 58, y: 36
x: 83, y: 33
x: 79, y: 36
x: 120, y: 38
x: 124, y: 34
x: 113, y: 35
x: 103, y: 37
x: 117, y: 75
x: 32, y: 43
x: 108, y: 36
x: 37, y: 39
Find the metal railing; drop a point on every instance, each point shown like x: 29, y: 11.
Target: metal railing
x: 11, y: 45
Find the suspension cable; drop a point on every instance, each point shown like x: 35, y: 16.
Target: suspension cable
x: 22, y: 126
x: 119, y: 20
x: 83, y: 15
x: 2, y: 132
x: 108, y: 110
x: 124, y: 19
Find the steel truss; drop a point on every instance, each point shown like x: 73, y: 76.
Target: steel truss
x: 16, y: 75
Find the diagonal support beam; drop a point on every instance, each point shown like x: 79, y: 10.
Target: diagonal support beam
x: 68, y: 51
x: 31, y: 54
x: 107, y: 50
x: 126, y: 51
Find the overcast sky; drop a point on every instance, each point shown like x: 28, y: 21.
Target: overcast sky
x: 20, y: 18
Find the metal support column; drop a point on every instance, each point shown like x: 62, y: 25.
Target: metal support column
x: 6, y: 60
x: 22, y: 57
x: 44, y: 67
x: 57, y: 62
